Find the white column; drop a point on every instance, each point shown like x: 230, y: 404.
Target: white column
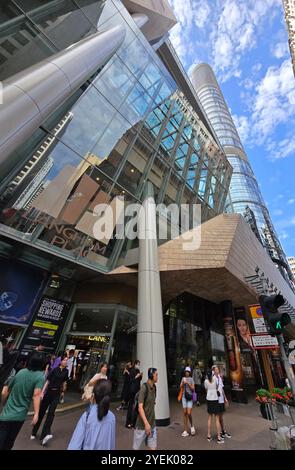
x: 150, y: 330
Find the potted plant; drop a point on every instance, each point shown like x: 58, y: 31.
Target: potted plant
x: 282, y: 396
x: 263, y: 397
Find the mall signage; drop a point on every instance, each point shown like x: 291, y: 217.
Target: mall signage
x: 47, y: 325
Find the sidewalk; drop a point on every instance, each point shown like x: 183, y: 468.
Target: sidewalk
x: 249, y: 430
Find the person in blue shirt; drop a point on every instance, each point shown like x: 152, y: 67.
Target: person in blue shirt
x: 96, y: 429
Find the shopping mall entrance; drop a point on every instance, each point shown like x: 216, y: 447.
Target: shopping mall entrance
x: 101, y: 332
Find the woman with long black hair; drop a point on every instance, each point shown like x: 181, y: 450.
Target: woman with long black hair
x: 96, y: 428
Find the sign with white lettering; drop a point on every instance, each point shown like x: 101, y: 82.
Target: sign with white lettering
x: 264, y: 342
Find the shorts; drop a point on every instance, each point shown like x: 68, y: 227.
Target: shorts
x: 213, y: 407
x: 186, y: 403
x: 140, y: 437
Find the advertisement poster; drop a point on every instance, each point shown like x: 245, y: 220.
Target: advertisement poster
x: 47, y: 325
x: 235, y: 366
x: 243, y: 330
x: 21, y: 286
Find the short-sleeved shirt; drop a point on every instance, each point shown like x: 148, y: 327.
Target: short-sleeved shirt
x: 147, y: 396
x: 219, y: 385
x: 21, y: 387
x: 56, y: 378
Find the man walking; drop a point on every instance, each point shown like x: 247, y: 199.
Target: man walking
x: 145, y: 429
x: 24, y: 386
x: 53, y: 390
x: 197, y: 378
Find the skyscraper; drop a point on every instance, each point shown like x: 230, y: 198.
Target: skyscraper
x: 244, y: 193
x: 289, y: 9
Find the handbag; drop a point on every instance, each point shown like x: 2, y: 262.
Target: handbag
x: 194, y: 397
x: 188, y: 394
x: 88, y: 392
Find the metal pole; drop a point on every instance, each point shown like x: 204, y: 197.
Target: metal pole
x: 288, y: 366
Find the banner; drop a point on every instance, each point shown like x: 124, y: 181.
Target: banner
x: 21, y: 286
x: 47, y: 325
x: 235, y: 367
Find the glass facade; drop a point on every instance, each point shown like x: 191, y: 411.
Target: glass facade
x: 123, y: 127
x: 244, y: 194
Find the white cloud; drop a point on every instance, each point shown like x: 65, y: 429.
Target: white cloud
x: 277, y: 212
x: 285, y: 223
x: 283, y: 235
x: 189, y: 13
x: 291, y: 201
x: 237, y: 31
x: 280, y: 50
x: 274, y: 102
x: 243, y: 126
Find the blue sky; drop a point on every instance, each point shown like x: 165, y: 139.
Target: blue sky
x: 246, y: 43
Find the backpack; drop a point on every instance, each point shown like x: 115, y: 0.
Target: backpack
x: 135, y: 411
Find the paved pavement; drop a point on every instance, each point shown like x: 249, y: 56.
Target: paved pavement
x: 249, y: 430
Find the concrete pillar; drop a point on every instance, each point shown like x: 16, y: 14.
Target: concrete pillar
x: 150, y: 329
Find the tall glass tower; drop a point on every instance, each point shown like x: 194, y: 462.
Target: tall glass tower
x: 244, y: 195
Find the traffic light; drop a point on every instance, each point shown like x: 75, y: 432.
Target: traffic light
x: 274, y: 320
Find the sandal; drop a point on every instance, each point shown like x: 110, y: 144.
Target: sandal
x: 209, y: 438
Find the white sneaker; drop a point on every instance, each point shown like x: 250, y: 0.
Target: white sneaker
x: 46, y: 439
x: 193, y: 431
x: 32, y: 437
x: 185, y: 434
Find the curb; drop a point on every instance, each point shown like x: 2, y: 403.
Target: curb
x: 74, y: 406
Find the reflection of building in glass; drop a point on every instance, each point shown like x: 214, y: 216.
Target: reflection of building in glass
x: 291, y: 261
x: 34, y: 188
x: 244, y: 191
x: 289, y: 8
x: 110, y: 114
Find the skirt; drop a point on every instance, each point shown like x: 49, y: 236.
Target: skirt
x: 213, y: 407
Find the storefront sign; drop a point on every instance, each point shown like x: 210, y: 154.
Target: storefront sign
x: 243, y: 330
x: 100, y: 339
x: 264, y: 342
x: 20, y: 289
x: 258, y: 320
x: 47, y: 325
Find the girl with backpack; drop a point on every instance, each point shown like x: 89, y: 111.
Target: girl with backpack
x: 187, y: 386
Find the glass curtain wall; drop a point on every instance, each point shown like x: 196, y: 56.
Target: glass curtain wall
x: 122, y: 128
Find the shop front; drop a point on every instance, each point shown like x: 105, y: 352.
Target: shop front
x: 193, y: 333
x: 98, y: 333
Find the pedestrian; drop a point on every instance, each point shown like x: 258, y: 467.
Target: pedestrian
x: 96, y: 429
x: 102, y: 374
x: 72, y: 365
x: 52, y: 392
x: 10, y: 357
x: 212, y: 406
x: 25, y: 385
x: 134, y: 387
x: 222, y: 400
x: 197, y: 378
x: 188, y: 387
x: 126, y: 386
x: 145, y: 428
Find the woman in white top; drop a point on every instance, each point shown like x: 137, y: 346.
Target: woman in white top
x: 222, y: 400
x: 188, y: 387
x: 212, y: 406
x: 102, y: 374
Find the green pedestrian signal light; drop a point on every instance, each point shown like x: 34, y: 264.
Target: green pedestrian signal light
x: 274, y: 320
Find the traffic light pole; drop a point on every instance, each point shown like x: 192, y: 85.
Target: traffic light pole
x: 287, y: 365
